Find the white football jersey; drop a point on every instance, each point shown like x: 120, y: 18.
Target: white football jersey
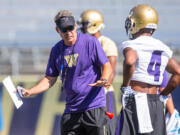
x: 153, y: 56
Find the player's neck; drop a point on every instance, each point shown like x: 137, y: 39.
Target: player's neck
x: 141, y: 34
x: 145, y: 34
x: 97, y: 34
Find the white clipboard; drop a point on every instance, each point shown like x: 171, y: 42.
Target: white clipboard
x: 11, y: 90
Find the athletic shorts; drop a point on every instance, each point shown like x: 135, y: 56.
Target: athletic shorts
x: 91, y: 122
x: 128, y: 122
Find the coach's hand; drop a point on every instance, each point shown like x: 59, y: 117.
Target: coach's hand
x: 26, y: 93
x: 23, y: 92
x: 101, y: 83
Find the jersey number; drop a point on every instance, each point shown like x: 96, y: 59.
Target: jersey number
x: 154, y: 65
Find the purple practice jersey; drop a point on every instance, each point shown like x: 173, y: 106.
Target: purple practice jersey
x: 79, y: 65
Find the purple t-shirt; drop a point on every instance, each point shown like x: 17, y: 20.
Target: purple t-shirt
x: 81, y: 64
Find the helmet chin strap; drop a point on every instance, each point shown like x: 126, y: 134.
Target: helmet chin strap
x: 130, y: 36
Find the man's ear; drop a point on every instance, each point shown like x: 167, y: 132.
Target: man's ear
x: 57, y: 30
x: 75, y: 26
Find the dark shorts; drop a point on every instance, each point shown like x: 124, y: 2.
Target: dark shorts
x: 128, y: 123
x: 91, y: 122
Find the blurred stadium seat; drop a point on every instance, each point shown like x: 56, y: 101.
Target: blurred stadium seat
x: 27, y: 27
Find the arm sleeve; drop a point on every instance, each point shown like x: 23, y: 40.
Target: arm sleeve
x: 51, y: 69
x: 110, y: 48
x: 125, y: 45
x: 98, y: 55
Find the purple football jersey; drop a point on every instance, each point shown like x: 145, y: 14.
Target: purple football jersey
x: 79, y: 65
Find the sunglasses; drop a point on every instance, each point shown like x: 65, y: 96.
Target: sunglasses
x: 69, y: 28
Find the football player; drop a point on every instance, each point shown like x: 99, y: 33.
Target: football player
x: 145, y: 60
x: 172, y: 116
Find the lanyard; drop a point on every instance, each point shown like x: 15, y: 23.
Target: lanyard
x: 62, y: 68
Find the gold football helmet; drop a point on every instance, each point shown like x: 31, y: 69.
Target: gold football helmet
x: 141, y: 16
x: 91, y: 21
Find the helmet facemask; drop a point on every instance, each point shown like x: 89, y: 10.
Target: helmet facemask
x: 94, y: 27
x: 84, y: 26
x: 129, y: 24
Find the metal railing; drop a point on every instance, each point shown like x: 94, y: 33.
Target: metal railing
x: 33, y: 60
x: 16, y: 61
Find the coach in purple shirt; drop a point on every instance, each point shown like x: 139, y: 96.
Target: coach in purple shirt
x: 84, y: 70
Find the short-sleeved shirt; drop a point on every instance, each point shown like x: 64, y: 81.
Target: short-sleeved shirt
x: 153, y: 56
x: 108, y: 46
x: 81, y: 64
